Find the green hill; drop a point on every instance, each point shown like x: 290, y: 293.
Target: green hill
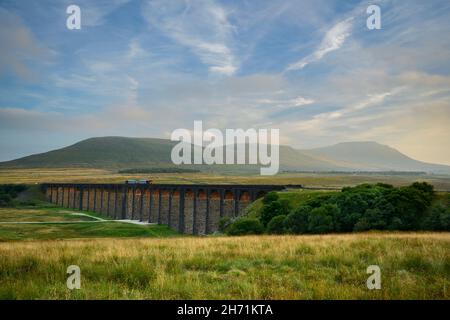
x: 102, y: 152
x: 129, y: 153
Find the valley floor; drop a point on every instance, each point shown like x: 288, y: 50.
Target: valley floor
x: 413, y: 266
x: 327, y: 180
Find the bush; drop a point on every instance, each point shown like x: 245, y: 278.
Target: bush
x: 270, y: 197
x: 438, y: 219
x: 297, y: 221
x: 5, y: 199
x: 9, y: 192
x: 410, y: 205
x: 425, y: 188
x: 321, y: 219
x: 372, y: 220
x: 224, y: 223
x: 273, y: 209
x: 245, y: 226
x: 380, y: 207
x: 364, y: 207
x: 276, y: 225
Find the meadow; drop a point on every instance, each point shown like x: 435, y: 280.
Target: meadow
x: 318, y: 180
x: 413, y: 266
x: 45, y: 223
x: 127, y: 261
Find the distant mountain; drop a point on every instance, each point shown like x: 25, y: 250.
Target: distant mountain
x: 123, y: 152
x: 372, y: 156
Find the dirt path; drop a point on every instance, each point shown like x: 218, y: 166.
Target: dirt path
x: 96, y: 220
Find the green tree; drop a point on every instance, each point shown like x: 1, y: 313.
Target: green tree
x: 273, y: 209
x: 276, y: 225
x: 410, y: 205
x: 224, y: 223
x: 297, y: 221
x: 270, y: 197
x: 245, y: 226
x: 372, y: 220
x: 321, y: 219
x: 438, y: 219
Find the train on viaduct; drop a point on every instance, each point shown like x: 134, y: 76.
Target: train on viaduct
x: 192, y: 209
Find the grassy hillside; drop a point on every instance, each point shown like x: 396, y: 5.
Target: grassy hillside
x: 102, y: 152
x: 129, y: 153
x: 53, y: 231
x: 50, y: 223
x: 413, y: 266
x: 144, y: 153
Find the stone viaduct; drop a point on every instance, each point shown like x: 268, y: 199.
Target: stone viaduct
x: 192, y: 209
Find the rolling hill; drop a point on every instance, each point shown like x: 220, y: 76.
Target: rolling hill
x: 372, y: 156
x: 102, y: 152
x: 123, y: 152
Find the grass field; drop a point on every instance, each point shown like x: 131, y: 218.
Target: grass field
x: 57, y: 223
x: 413, y: 266
x: 30, y: 176
x: 40, y: 215
x: 127, y: 261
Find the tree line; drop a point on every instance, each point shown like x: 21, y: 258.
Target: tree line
x: 354, y: 209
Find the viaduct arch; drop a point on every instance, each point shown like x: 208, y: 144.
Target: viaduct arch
x: 192, y: 209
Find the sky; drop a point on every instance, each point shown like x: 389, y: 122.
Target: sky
x: 145, y: 68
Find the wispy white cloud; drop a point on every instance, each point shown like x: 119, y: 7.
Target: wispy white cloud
x: 135, y: 50
x: 295, y: 102
x: 325, y: 121
x: 333, y: 40
x: 94, y: 12
x: 201, y: 26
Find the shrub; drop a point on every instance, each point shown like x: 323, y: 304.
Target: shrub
x: 297, y: 221
x: 224, y: 223
x: 273, y: 209
x: 321, y: 219
x: 352, y: 206
x: 364, y: 207
x: 245, y: 226
x: 362, y: 225
x: 425, y: 188
x: 9, y: 192
x: 270, y: 197
x: 410, y: 207
x: 276, y: 225
x: 438, y: 219
x: 372, y: 220
x: 385, y: 185
x: 5, y: 199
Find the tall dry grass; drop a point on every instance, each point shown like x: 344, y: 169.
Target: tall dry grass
x: 413, y: 265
